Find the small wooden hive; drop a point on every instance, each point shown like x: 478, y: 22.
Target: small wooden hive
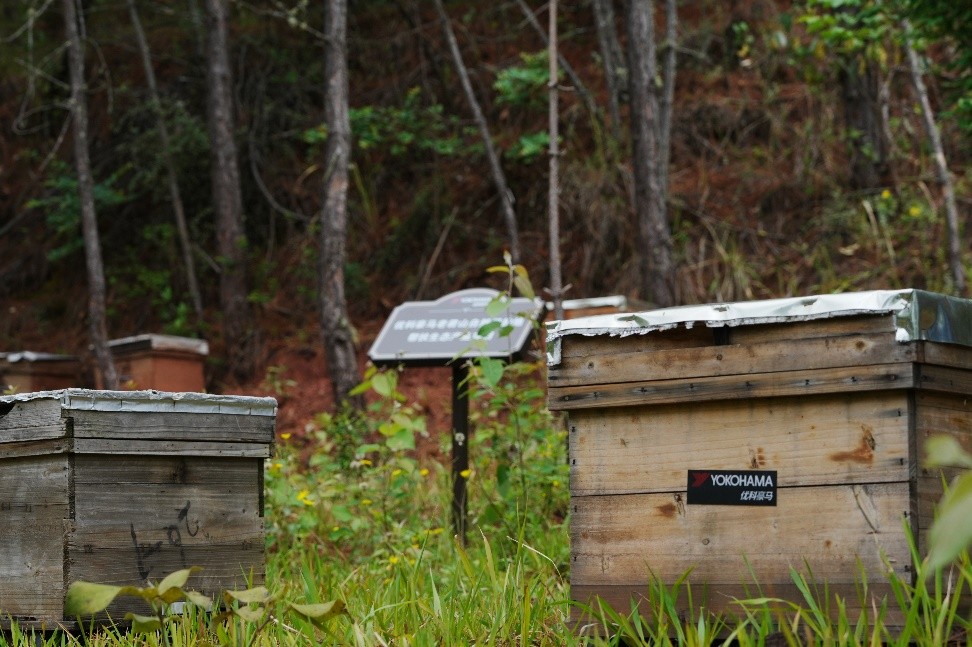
x: 124, y: 488
x: 30, y: 371
x: 160, y: 362
x: 830, y: 397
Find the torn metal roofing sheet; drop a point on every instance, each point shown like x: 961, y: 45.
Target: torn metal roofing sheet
x: 918, y: 315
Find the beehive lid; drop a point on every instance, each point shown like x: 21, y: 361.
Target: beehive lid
x: 154, y: 422
x: 29, y: 356
x: 159, y: 343
x: 918, y: 315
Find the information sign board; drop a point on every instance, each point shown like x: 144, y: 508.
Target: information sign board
x: 467, y: 323
x: 433, y: 333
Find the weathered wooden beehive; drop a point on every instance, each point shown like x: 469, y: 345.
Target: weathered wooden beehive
x: 740, y: 440
x: 30, y: 371
x: 124, y: 488
x: 160, y: 362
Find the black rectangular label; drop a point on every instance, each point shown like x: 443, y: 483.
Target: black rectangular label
x: 731, y: 487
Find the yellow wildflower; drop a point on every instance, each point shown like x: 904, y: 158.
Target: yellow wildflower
x: 914, y: 211
x: 393, y: 559
x: 424, y: 471
x: 396, y: 472
x: 285, y: 436
x: 366, y: 501
x: 304, y: 497
x: 885, y: 194
x: 465, y: 473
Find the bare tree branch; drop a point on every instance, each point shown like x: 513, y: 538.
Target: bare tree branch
x: 941, y: 165
x: 575, y: 80
x: 175, y: 196
x: 499, y: 178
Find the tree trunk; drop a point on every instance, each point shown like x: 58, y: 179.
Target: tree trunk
x: 654, y: 235
x: 941, y: 166
x: 611, y: 58
x: 338, y: 334
x: 505, y: 195
x: 553, y: 218
x: 227, y: 198
x: 860, y: 82
x: 97, y: 325
x: 668, y: 95
x: 174, y: 194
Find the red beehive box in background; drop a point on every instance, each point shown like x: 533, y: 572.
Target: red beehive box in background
x: 160, y: 362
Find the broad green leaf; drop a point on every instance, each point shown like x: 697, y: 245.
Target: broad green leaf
x: 384, y: 383
x: 88, y: 598
x: 143, y: 624
x: 523, y: 284
x: 418, y: 425
x: 492, y: 370
x: 364, y: 387
x: 200, y: 600
x: 401, y: 440
x: 256, y: 595
x: 319, y: 613
x: 176, y: 579
x: 173, y: 594
x: 945, y: 450
x: 250, y: 614
x: 487, y: 328
x: 497, y: 305
x: 952, y: 530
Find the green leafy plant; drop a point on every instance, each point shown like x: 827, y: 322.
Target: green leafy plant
x: 528, y: 148
x: 526, y: 84
x: 951, y: 532
x: 245, y: 613
x: 411, y: 127
x: 275, y: 382
x: 84, y: 599
x: 62, y: 207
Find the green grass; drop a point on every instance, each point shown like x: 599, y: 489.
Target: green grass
x: 362, y: 524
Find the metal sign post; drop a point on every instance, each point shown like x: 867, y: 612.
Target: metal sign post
x: 445, y: 333
x: 460, y: 446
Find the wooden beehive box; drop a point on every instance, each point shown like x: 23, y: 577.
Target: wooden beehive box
x: 124, y: 488
x: 30, y: 371
x: 830, y: 397
x: 160, y: 362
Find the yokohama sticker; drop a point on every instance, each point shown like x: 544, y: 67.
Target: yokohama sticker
x: 731, y: 487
